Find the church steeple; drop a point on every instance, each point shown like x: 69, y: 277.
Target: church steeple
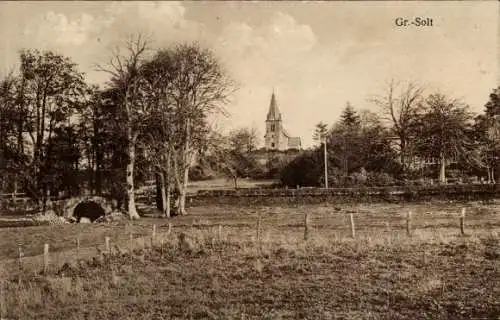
x: 276, y: 136
x: 274, y: 113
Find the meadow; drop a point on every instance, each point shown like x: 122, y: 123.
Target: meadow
x: 261, y: 262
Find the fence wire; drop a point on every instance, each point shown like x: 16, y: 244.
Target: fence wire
x: 22, y: 248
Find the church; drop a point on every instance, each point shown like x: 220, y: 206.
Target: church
x: 276, y: 137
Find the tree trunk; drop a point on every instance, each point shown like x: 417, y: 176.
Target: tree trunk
x: 182, y: 185
x: 163, y: 195
x: 98, y: 172
x: 167, y: 181
x: 442, y: 171
x: 235, y: 178
x: 403, y: 157
x: 131, y: 208
x: 158, y: 197
x: 163, y: 190
x: 168, y: 198
x: 181, y: 209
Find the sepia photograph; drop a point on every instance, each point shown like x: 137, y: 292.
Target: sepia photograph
x: 250, y: 160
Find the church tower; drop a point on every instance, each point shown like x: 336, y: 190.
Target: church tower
x: 274, y: 135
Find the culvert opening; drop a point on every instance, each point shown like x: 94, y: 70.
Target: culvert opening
x: 88, y: 209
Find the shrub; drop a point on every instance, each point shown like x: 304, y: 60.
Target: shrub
x: 380, y: 179
x: 305, y: 170
x: 359, y: 178
x: 199, y: 173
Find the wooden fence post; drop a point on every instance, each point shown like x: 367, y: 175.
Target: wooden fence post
x: 306, y: 226
x: 161, y: 247
x: 408, y: 223
x: 259, y: 225
x: 46, y: 258
x: 353, y: 229
x: 462, y: 221
x: 3, y: 301
x: 106, y: 242
x: 131, y: 241
x: 77, y: 247
x: 153, y: 235
x: 20, y: 252
x: 169, y: 228
x: 20, y: 264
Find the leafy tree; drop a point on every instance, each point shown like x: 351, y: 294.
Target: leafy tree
x: 51, y: 92
x: 487, y: 136
x: 10, y: 156
x: 244, y: 140
x: 492, y: 107
x: 359, y: 150
x: 345, y: 141
x: 180, y: 87
x: 445, y: 131
x: 104, y: 144
x: 62, y: 165
x: 349, y: 116
x: 94, y: 132
x: 158, y: 140
x: 199, y: 88
x: 320, y: 131
x: 231, y: 154
x: 376, y: 145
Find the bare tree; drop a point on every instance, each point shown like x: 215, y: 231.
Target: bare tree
x: 400, y: 105
x: 125, y: 71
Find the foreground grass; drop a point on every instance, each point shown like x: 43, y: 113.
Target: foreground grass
x: 225, y: 273
x: 216, y: 276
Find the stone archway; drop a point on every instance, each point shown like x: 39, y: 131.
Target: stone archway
x: 71, y: 204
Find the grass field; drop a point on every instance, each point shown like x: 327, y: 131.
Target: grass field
x: 226, y: 273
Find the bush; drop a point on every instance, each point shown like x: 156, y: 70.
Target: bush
x: 359, y: 178
x: 305, y: 171
x: 199, y: 173
x: 380, y: 179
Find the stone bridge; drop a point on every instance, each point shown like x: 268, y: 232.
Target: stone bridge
x: 91, y: 207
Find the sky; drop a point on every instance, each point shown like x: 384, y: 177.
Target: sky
x: 316, y: 56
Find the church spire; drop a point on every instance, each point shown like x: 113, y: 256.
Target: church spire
x: 274, y: 112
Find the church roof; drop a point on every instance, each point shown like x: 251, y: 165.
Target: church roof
x: 273, y: 113
x: 294, y: 143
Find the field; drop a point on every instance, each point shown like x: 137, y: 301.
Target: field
x: 215, y: 264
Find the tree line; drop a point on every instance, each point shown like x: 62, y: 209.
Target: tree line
x: 60, y: 135
x: 413, y: 138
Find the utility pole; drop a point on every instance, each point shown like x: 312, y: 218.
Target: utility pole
x: 325, y: 161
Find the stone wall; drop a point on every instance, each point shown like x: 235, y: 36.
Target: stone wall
x: 345, y: 195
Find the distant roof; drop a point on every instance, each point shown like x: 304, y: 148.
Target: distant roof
x: 294, y: 142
